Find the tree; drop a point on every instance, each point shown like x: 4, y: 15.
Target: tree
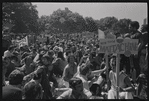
x: 122, y: 26
x: 91, y: 25
x: 63, y: 21
x: 22, y: 15
x: 107, y: 23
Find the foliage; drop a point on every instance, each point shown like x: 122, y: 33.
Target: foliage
x: 23, y: 16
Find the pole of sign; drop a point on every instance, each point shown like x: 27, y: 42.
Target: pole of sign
x: 107, y: 71
x: 117, y: 74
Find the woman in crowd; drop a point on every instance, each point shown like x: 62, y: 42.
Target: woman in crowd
x: 69, y: 70
x: 59, y: 64
x: 125, y: 86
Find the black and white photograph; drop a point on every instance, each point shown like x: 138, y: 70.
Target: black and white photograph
x: 74, y: 50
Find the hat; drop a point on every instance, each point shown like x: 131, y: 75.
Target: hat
x: 16, y: 77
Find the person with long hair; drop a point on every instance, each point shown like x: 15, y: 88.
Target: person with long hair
x: 125, y: 86
x: 69, y: 70
x: 59, y: 64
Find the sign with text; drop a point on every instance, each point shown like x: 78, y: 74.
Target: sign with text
x: 119, y: 46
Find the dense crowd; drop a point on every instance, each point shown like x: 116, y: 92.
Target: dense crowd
x: 74, y: 69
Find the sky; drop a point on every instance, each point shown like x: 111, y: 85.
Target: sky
x: 133, y: 11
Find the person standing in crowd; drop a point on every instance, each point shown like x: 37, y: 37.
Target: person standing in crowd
x: 69, y: 70
x: 125, y: 86
x: 76, y: 90
x: 135, y: 34
x: 59, y: 64
x: 144, y: 41
x: 47, y: 76
x: 13, y: 90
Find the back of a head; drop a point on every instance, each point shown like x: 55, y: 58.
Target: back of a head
x: 135, y: 24
x: 67, y: 52
x: 50, y: 52
x: 32, y: 90
x: 60, y: 55
x: 74, y: 81
x: 95, y: 89
x: 144, y: 28
x: 16, y: 77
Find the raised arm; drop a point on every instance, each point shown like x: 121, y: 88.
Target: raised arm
x: 98, y: 72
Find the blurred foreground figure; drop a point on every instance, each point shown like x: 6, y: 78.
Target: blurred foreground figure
x: 76, y: 90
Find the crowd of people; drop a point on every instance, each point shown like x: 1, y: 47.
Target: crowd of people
x: 74, y: 69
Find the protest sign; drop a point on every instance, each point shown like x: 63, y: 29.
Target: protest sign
x: 120, y: 46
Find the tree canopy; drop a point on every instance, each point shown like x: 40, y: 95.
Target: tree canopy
x: 24, y: 18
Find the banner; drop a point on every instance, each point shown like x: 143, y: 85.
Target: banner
x: 119, y: 46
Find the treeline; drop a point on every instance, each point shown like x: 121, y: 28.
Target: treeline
x: 24, y: 18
